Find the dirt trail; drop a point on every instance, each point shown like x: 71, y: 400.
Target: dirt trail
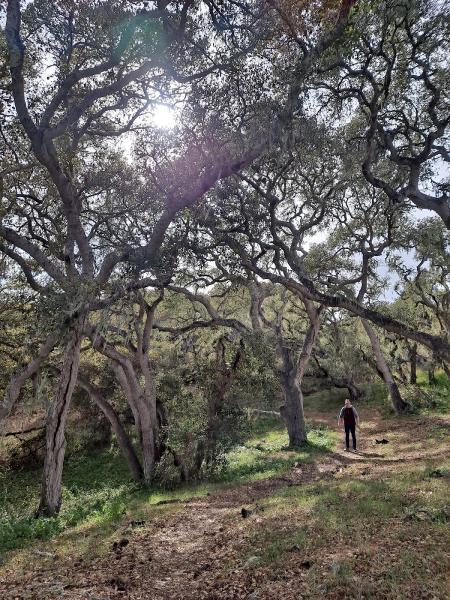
x: 197, y: 552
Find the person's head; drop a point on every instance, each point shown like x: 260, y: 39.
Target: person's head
x: 347, y: 402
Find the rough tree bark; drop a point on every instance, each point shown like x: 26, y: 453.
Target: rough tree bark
x: 292, y: 410
x: 400, y: 406
x: 292, y: 376
x: 56, y: 420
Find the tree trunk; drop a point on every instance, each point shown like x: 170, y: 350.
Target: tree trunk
x: 413, y: 363
x: 139, y: 400
x: 400, y: 406
x: 292, y: 411
x: 353, y: 390
x: 56, y: 421
x: 292, y: 377
x: 401, y: 374
x: 123, y: 439
x: 150, y: 404
x: 225, y: 376
x: 121, y: 377
x: 145, y: 418
x: 147, y: 440
x: 431, y: 376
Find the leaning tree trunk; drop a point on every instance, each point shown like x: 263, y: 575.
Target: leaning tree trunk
x: 56, y: 421
x: 122, y: 379
x: 145, y: 418
x: 292, y: 411
x: 122, y: 437
x: 400, y: 406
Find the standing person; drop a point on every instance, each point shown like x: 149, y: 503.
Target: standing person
x: 349, y: 417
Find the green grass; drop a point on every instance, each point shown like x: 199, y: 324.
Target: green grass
x: 395, y: 527
x: 97, y: 489
x: 397, y: 515
x: 377, y: 535
x: 266, y: 453
x: 435, y: 398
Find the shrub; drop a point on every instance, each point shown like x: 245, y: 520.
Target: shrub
x: 167, y: 473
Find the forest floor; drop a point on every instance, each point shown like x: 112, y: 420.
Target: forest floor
x: 331, y: 525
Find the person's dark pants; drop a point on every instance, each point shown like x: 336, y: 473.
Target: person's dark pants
x: 350, y: 429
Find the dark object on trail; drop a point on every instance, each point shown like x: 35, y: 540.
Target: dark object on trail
x: 201, y: 569
x: 383, y: 441
x: 117, y: 546
x: 137, y: 523
x: 306, y: 564
x: 120, y: 584
x: 245, y: 512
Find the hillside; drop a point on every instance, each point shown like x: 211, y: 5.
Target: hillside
x: 320, y: 524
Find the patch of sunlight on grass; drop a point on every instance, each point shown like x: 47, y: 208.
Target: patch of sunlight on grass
x: 166, y: 496
x: 287, y: 498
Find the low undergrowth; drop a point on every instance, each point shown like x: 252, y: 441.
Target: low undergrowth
x: 97, y: 489
x: 374, y: 526
x: 371, y: 535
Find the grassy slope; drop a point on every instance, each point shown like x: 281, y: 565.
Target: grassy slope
x: 378, y: 529
x: 97, y: 489
x: 380, y: 537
